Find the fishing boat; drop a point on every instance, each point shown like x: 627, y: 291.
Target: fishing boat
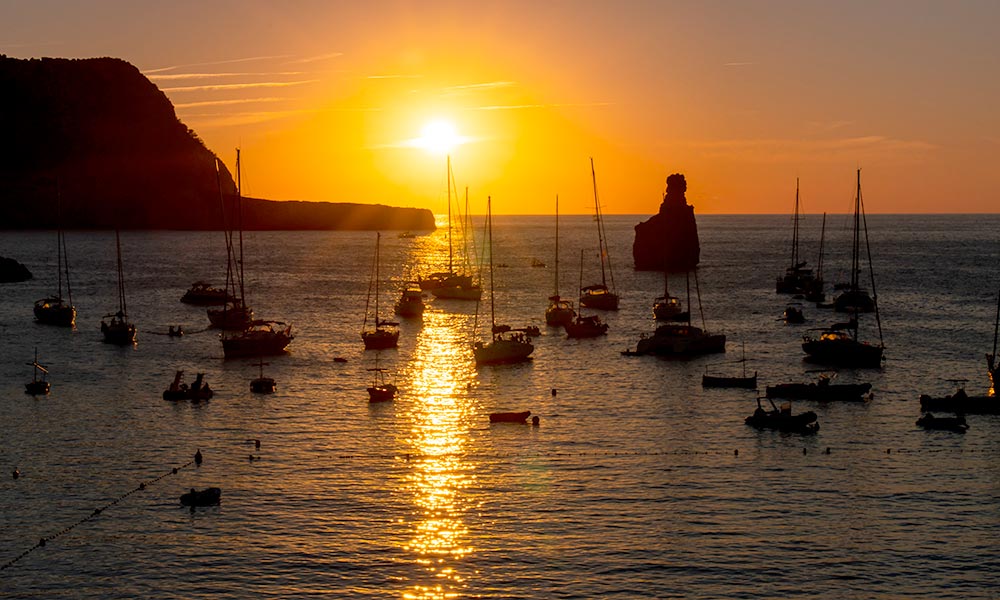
x: 731, y: 381
x: 178, y: 390
x: 782, y: 419
x: 560, y: 311
x: 680, y: 339
x: 953, y: 424
x: 201, y: 293
x: 411, y: 301
x: 119, y: 330
x: 585, y: 326
x: 506, y: 345
x: 56, y: 310
x: 823, y: 389
x: 380, y: 391
x: 38, y: 386
x: 261, y: 384
x: 797, y: 278
x: 855, y: 299
x: 386, y: 333
x: 961, y: 403
x: 599, y: 295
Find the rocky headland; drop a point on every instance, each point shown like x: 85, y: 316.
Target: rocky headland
x: 668, y: 241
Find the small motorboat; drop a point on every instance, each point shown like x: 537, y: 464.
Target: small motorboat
x: 954, y: 424
x: 38, y: 386
x: 181, y: 391
x: 782, y: 419
x: 510, y: 417
x: 961, y: 403
x: 262, y: 385
x: 206, y: 497
x: 793, y: 315
x: 586, y: 327
x: 821, y: 390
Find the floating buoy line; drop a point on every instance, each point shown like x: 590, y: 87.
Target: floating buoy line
x: 97, y: 512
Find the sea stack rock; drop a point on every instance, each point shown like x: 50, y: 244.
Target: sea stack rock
x: 668, y: 241
x: 12, y: 271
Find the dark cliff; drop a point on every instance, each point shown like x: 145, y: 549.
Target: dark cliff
x: 102, y: 139
x: 668, y: 241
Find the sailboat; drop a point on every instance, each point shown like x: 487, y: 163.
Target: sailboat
x: 257, y: 337
x: 599, y: 295
x: 38, y: 386
x: 55, y: 310
x: 585, y: 327
x: 459, y: 287
x: 506, y: 345
x: 856, y: 299
x: 560, y: 312
x: 839, y: 344
x: 667, y: 307
x: 119, y: 330
x: 411, y: 301
x: 814, y: 291
x: 386, y: 333
x: 731, y: 381
x: 262, y: 385
x: 797, y: 277
x: 234, y: 315
x: 201, y: 293
x: 677, y: 339
x: 379, y: 390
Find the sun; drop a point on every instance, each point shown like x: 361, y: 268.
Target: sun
x: 439, y: 136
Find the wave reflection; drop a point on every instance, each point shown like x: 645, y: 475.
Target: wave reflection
x: 441, y: 417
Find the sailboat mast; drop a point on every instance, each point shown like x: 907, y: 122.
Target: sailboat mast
x: 822, y: 239
x: 65, y: 266
x: 871, y: 269
x: 855, y: 258
x: 489, y: 230
x: 448, y: 177
x: 228, y: 233
x: 121, y: 278
x: 556, y: 281
x: 378, y: 245
x: 59, y: 239
x: 795, y: 228
x: 996, y: 333
x: 597, y: 213
x: 239, y: 200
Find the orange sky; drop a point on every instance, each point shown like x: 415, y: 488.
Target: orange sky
x: 325, y: 97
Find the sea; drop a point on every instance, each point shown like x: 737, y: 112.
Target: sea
x: 636, y: 483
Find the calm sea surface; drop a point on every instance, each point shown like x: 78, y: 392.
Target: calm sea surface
x: 631, y: 487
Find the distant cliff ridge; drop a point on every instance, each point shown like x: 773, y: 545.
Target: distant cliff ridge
x: 104, y: 143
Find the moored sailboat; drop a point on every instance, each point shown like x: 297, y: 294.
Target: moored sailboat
x: 411, y: 301
x: 599, y: 295
x: 56, y: 310
x: 234, y: 315
x: 797, y: 278
x: 856, y: 299
x: 385, y: 333
x: 119, y: 330
x: 506, y: 345
x: 560, y: 311
x: 585, y: 327
x: 38, y: 386
x: 681, y: 339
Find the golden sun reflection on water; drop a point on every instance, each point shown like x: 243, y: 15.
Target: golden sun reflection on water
x: 441, y: 416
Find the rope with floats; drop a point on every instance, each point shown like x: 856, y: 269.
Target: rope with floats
x: 98, y: 511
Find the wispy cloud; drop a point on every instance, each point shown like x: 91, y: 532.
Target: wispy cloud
x: 226, y: 102
x: 209, y: 120
x: 238, y: 86
x: 394, y: 76
x: 174, y: 76
x: 530, y: 106
x: 218, y: 62
x: 477, y: 86
x: 738, y: 64
x: 317, y: 58
x: 780, y: 150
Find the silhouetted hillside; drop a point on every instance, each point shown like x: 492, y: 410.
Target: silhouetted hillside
x: 102, y: 138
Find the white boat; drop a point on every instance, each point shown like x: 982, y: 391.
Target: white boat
x: 385, y: 334
x: 599, y: 295
x: 506, y: 345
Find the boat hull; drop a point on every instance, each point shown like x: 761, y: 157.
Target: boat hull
x: 382, y: 393
x: 380, y: 339
x: 960, y: 403
x: 254, y: 344
x: 37, y: 388
x: 803, y: 423
x: 510, y: 417
x: 119, y: 333
x: 713, y: 381
x: 263, y: 385
x: 600, y: 300
x: 230, y: 319
x: 458, y: 292
x: 502, y: 351
x: 813, y: 391
x: 953, y: 424
x: 207, y: 497
x: 586, y: 327
x: 55, y: 312
x: 680, y: 340
x: 843, y: 353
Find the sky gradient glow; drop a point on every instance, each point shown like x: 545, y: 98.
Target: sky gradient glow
x: 328, y: 98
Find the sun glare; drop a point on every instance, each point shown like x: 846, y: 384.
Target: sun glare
x: 439, y: 137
